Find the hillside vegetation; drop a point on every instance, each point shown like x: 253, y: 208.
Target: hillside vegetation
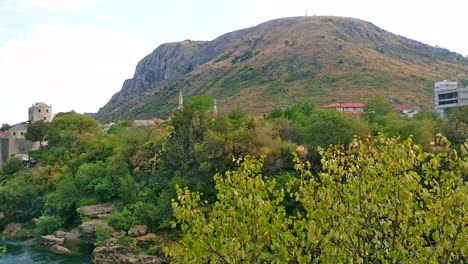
x: 279, y: 62
x: 144, y: 173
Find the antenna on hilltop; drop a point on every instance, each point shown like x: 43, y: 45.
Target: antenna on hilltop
x: 306, y: 12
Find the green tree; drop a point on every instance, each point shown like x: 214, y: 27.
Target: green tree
x: 246, y: 224
x: 327, y: 127
x: 378, y: 106
x: 456, y: 126
x: 375, y: 201
x: 22, y: 194
x: 47, y: 224
x: 200, y: 103
x: 11, y: 166
x: 236, y: 119
x: 421, y: 130
x: 72, y: 130
x: 5, y: 127
x: 276, y: 113
x: 300, y: 112
x: 37, y: 131
x: 382, y: 201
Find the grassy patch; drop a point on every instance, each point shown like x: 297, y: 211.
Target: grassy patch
x: 223, y: 57
x: 368, y: 80
x: 247, y: 55
x: 328, y: 80
x: 300, y: 75
x: 274, y: 90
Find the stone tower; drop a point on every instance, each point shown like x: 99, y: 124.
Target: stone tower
x: 181, y: 101
x: 215, y: 108
x: 40, y: 111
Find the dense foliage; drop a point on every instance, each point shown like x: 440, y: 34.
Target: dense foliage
x: 37, y: 131
x: 138, y: 168
x: 376, y: 201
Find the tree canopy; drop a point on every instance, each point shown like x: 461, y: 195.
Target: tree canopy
x: 37, y: 131
x: 375, y: 201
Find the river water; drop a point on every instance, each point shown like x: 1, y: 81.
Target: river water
x: 30, y: 251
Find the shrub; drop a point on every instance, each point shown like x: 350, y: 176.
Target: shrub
x: 102, y: 233
x: 47, y: 224
x: 375, y: 201
x: 12, y: 165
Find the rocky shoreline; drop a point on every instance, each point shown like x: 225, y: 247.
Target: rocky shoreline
x: 132, y: 247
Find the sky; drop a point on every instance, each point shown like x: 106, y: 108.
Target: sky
x: 75, y: 54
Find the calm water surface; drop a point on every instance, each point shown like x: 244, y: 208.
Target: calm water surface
x: 33, y: 252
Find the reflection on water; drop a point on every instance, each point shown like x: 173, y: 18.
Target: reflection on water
x: 32, y: 252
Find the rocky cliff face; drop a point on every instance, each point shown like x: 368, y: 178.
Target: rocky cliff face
x: 279, y: 62
x: 165, y: 64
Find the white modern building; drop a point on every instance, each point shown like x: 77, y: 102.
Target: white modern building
x: 449, y: 94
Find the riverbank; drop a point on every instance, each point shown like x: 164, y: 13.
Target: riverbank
x: 31, y: 251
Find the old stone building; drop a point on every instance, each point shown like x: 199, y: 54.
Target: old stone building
x: 13, y: 142
x: 40, y: 111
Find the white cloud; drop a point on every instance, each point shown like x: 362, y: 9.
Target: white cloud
x: 76, y: 68
x: 57, y: 4
x: 9, y: 7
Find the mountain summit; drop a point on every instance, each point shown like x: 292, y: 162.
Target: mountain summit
x: 282, y: 61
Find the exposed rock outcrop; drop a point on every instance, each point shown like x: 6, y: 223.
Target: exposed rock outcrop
x: 138, y: 230
x: 51, y: 240
x: 146, y: 240
x: 111, y: 254
x: 60, y: 250
x: 12, y: 229
x: 72, y: 235
x: 97, y: 210
x: 89, y: 227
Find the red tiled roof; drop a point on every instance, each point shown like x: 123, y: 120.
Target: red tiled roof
x: 158, y: 120
x: 344, y: 105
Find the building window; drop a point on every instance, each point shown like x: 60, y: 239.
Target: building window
x: 45, y: 118
x: 22, y: 133
x: 47, y: 110
x: 39, y: 110
x: 448, y: 98
x: 14, y: 133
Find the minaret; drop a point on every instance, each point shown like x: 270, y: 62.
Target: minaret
x: 181, y: 101
x: 215, y: 108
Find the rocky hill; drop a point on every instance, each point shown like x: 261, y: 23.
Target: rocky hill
x: 279, y: 62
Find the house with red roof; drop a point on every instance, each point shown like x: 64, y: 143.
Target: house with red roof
x: 407, y: 110
x: 347, y: 108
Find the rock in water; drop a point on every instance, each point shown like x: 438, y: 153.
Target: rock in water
x: 12, y: 229
x: 60, y: 234
x: 51, y: 240
x: 60, y: 250
x: 72, y: 235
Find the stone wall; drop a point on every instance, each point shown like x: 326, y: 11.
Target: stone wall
x: 4, y: 146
